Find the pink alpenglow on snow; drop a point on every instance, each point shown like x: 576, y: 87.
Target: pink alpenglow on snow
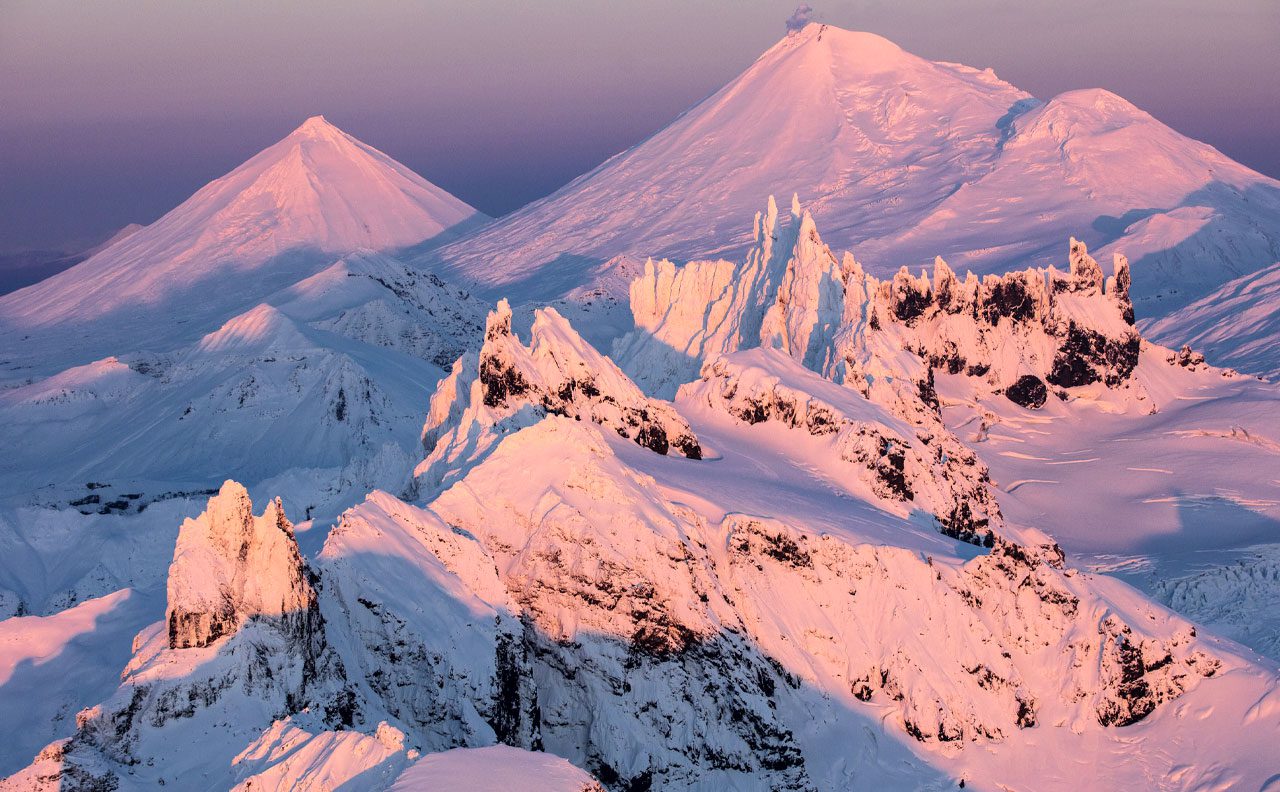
x: 655, y: 484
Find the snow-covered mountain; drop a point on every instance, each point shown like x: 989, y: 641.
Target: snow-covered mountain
x: 822, y: 579
x: 782, y: 518
x: 282, y: 216
x: 508, y: 386
x: 196, y: 347
x: 746, y: 617
x: 900, y: 159
x: 1039, y: 372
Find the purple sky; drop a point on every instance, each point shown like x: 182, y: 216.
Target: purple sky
x: 115, y: 112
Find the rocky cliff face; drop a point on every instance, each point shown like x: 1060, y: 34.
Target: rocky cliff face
x: 788, y: 293
x: 242, y: 643
x: 626, y: 619
x: 1022, y: 333
x: 230, y: 566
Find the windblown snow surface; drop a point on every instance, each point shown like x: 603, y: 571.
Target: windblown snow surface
x: 282, y: 511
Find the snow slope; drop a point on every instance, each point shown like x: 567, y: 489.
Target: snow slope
x: 495, y: 769
x: 1183, y: 491
x: 283, y: 215
x: 900, y: 159
x: 350, y: 353
x: 1236, y: 325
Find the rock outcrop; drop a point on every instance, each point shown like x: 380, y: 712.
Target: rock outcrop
x: 901, y: 465
x: 509, y: 385
x: 1065, y: 329
x: 230, y: 566
x: 242, y: 644
x: 1022, y: 331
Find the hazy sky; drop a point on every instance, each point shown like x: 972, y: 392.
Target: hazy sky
x: 114, y: 112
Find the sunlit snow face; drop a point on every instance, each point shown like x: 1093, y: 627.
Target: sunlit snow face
x: 108, y: 122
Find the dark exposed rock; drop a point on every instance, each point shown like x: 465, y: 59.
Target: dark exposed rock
x: 1134, y: 701
x: 209, y: 626
x: 753, y: 411
x: 688, y: 445
x: 500, y: 383
x: 340, y: 406
x: 1029, y: 391
x: 1087, y: 356
x: 963, y: 525
x: 1026, y: 713
x: 908, y: 300
x: 891, y: 469
x: 512, y: 716
x: 653, y: 437
x: 928, y: 393
x: 753, y: 539
x: 1184, y: 357
x: 558, y: 374
x: 1008, y: 297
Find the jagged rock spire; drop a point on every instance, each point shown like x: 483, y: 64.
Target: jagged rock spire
x: 884, y: 335
x: 230, y: 566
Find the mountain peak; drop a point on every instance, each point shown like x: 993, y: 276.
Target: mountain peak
x: 840, y: 115
x: 316, y: 194
x: 259, y: 328
x: 1099, y: 102
x: 229, y: 566
x: 317, y: 126
x: 851, y: 48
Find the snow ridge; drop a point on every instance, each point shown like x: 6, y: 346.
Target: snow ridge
x: 901, y: 464
x: 508, y: 385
